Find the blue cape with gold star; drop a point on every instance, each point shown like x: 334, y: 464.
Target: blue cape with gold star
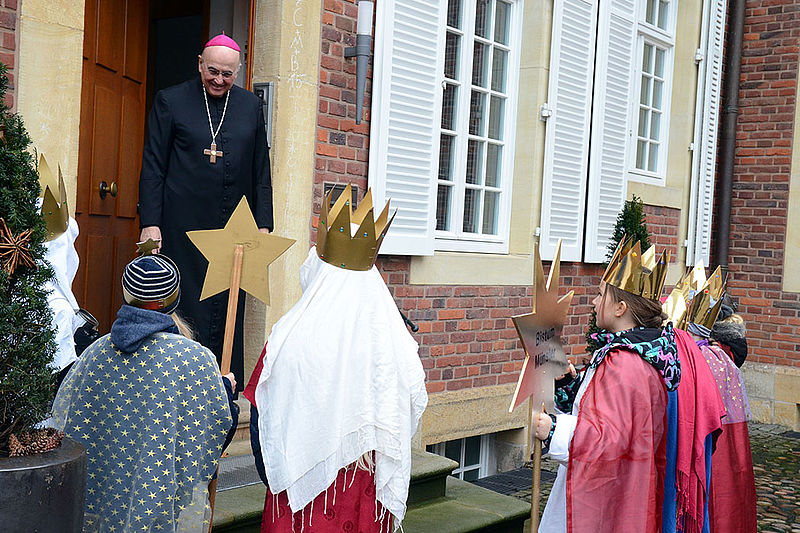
x: 153, y: 422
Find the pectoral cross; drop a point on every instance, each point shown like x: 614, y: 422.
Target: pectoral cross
x: 212, y: 153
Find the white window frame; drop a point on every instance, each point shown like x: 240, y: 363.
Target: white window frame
x: 665, y: 39
x: 456, y: 239
x: 487, y: 464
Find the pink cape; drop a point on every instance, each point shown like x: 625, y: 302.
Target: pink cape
x: 732, y: 501
x: 615, y: 476
x: 700, y: 410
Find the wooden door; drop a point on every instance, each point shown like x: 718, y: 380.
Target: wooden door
x: 111, y: 137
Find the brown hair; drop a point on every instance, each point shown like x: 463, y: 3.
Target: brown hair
x: 645, y: 312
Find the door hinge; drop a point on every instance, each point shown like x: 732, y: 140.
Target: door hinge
x: 545, y: 111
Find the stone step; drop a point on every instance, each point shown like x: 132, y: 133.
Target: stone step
x: 467, y: 508
x: 433, y: 496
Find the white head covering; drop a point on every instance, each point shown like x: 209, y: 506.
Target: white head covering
x: 63, y: 257
x: 341, y: 378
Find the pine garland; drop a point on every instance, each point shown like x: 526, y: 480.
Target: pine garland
x: 27, y: 384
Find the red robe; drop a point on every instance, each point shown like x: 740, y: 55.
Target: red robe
x: 615, y: 476
x: 732, y: 501
x: 349, y: 504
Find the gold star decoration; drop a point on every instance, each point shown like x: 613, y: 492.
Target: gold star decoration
x: 539, y: 332
x: 14, y: 249
x: 147, y: 247
x: 260, y: 249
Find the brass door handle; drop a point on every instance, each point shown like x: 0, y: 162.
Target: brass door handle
x: 105, y: 189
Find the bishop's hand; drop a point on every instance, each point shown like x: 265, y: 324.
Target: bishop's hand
x: 152, y: 232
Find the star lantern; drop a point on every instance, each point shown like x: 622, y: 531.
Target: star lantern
x: 14, y: 249
x: 218, y: 246
x: 540, y: 334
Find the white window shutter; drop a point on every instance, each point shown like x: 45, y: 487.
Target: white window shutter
x: 704, y: 157
x: 406, y: 114
x: 572, y: 54
x: 611, y: 124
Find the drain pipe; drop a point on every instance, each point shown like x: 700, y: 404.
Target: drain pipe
x: 727, y: 136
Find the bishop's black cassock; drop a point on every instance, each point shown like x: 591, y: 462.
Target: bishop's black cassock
x: 181, y: 190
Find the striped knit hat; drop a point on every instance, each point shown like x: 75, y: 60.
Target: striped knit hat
x: 152, y: 282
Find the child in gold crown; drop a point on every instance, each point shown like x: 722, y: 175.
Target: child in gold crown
x: 339, y: 389
x: 616, y: 435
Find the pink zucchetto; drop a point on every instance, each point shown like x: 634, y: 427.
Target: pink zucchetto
x: 223, y: 40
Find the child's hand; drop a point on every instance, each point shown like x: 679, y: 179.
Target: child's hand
x: 543, y: 423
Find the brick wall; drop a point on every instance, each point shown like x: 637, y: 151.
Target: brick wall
x: 8, y: 46
x: 465, y: 334
x: 761, y: 181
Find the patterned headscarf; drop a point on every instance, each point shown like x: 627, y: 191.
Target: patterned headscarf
x: 655, y: 346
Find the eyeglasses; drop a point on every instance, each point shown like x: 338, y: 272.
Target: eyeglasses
x: 226, y: 74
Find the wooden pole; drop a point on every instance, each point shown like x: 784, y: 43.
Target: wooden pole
x: 233, y: 302
x: 537, y: 475
x: 227, y: 348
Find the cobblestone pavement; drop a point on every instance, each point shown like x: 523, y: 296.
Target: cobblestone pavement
x: 776, y: 463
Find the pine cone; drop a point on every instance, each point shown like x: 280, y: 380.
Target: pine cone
x: 37, y: 441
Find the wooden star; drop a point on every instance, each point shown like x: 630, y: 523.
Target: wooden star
x: 14, y: 249
x: 260, y: 249
x: 539, y: 332
x: 147, y: 247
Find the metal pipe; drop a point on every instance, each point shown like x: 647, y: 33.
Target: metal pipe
x: 727, y: 136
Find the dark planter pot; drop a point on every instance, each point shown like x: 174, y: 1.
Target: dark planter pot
x: 44, y: 492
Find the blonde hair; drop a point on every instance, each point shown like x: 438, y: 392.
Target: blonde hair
x: 734, y: 317
x: 183, y: 328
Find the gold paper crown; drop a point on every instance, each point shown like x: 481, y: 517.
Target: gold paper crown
x: 635, y: 272
x: 676, y: 304
x: 55, y: 212
x: 707, y: 302
x: 336, y: 245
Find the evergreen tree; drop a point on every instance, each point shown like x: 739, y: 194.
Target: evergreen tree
x: 630, y: 223
x: 26, y: 334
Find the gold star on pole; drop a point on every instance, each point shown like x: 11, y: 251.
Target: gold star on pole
x: 539, y: 332
x: 260, y: 249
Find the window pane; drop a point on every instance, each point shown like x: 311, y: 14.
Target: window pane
x: 454, y: 13
x: 474, y: 160
x: 663, y: 11
x: 641, y: 153
x: 643, y: 115
x: 451, y: 56
x: 476, y: 112
x: 480, y: 65
x: 652, y: 158
x: 659, y: 69
x: 443, y: 207
x: 446, y: 157
x: 449, y: 106
x: 647, y: 58
x: 493, y: 162
x: 472, y: 475
x: 472, y: 451
x: 501, y: 22
x: 452, y: 450
x: 645, y: 97
x: 499, y: 70
x: 490, y: 207
x: 470, y: 210
x: 655, y: 126
x: 496, y: 110
x: 483, y: 14
x: 658, y: 85
x: 650, y: 12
